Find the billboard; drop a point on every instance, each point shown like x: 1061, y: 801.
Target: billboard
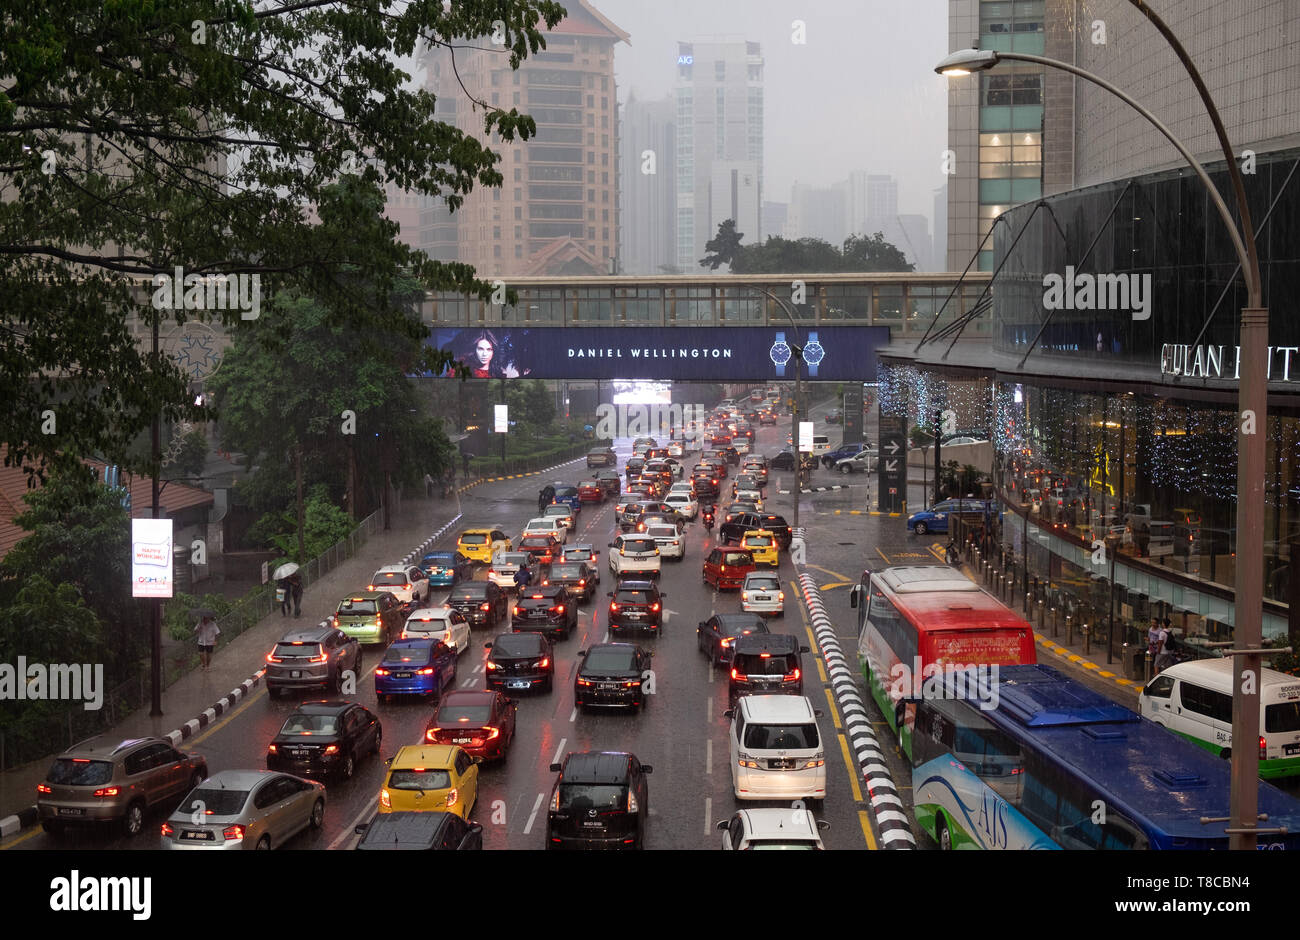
x: 151, y: 558
x: 702, y: 353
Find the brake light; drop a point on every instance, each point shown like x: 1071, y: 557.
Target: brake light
x: 582, y: 582
x: 492, y: 732
x: 451, y: 796
x: 555, y: 803
x: 272, y: 749
x: 544, y: 662
x: 781, y: 596
x: 332, y: 749
x: 559, y: 609
x: 427, y: 671
x: 486, y: 607
x: 43, y: 788
x: 272, y: 658
x: 613, y: 607
x: 106, y: 791
x: 584, y: 682
x: 431, y: 734
x: 167, y: 830
x: 322, y: 658
x: 654, y: 608
x: 734, y: 673
x: 380, y: 671
x: 1263, y: 749
x: 744, y: 595
x: 764, y: 655
x: 518, y: 612
x: 632, y: 805
x: 792, y: 676
x: 231, y: 833
x: 491, y: 665
x: 385, y: 800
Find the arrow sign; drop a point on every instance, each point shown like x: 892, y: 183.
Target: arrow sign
x: 891, y: 466
x: 893, y: 447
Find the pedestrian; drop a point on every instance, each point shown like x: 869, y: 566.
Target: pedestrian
x: 283, y: 592
x: 1156, y: 637
x: 295, y: 586
x: 464, y: 463
x: 206, y: 630
x: 428, y: 486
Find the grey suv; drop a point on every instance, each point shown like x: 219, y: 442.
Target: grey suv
x: 312, y: 657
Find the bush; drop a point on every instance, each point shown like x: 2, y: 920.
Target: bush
x: 324, y: 525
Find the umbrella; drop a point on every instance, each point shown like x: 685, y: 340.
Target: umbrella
x: 285, y: 570
x: 202, y: 613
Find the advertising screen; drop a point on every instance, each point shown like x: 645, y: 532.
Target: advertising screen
x: 151, y: 558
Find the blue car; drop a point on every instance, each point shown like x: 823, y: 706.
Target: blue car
x: 415, y: 667
x: 444, y: 569
x: 568, y: 495
x: 830, y: 458
x: 935, y: 519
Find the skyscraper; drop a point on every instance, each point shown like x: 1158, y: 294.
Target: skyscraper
x: 647, y: 210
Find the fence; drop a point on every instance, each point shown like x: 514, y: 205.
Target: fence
x: 35, y: 734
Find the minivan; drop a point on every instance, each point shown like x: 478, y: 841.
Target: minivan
x: 766, y: 663
x: 776, y: 749
x: 1194, y: 699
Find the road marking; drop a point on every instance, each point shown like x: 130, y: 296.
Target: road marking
x: 882, y: 554
x: 537, y: 804
x: 573, y: 714
x: 708, y: 815
x: 467, y: 683
x: 853, y: 770
x: 708, y: 756
x: 835, y: 584
x: 843, y: 577
x: 559, y: 751
x: 350, y: 829
x: 865, y: 822
x: 835, y: 715
x: 708, y: 705
x: 225, y: 719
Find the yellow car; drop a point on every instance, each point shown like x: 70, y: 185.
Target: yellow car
x: 761, y: 543
x: 439, y: 777
x: 481, y: 545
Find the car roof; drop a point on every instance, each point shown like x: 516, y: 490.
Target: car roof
x: 237, y: 779
x: 596, y: 767
x: 396, y: 569
x: 102, y: 748
x: 476, y: 532
x: 429, y: 614
x: 468, y: 697
x: 777, y: 643
x: 414, y: 643
x: 363, y: 596
x: 743, y: 619
x: 308, y: 634
x: 777, y: 707
x: 324, y: 707
x: 405, y: 828
x: 424, y: 755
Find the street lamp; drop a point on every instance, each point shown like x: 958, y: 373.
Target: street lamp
x: 1252, y: 417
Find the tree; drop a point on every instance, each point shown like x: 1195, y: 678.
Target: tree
x: 136, y: 137
x: 861, y: 253
x: 784, y: 256
x: 723, y: 247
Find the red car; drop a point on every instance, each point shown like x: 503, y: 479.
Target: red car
x: 480, y: 721
x: 545, y: 548
x: 589, y: 491
x: 726, y: 568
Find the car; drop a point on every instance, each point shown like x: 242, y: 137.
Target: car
x: 636, y: 605
x: 419, y: 832
x: 611, y: 675
x: 544, y: 548
x: 737, y: 507
x: 590, y: 491
x: 705, y: 483
x: 482, y: 603
x: 407, y: 583
x: 734, y: 529
x: 584, y: 551
x: 726, y: 567
x: 418, y: 665
x: 445, y: 568
x: 676, y: 449
x: 505, y: 565
x: 764, y: 664
x: 325, y: 739
x: 751, y: 496
x: 430, y: 776
x: 716, y: 637
x: 544, y: 525
x: 776, y: 749
x: 761, y: 543
x: 481, y: 722
x: 636, y: 554
x: 636, y: 491
x: 633, y: 518
x: 743, y: 446
x: 761, y: 593
x: 756, y: 467
x: 369, y: 616
x: 312, y: 657
x: 547, y: 609
x: 717, y: 464
x: 862, y: 462
x: 766, y: 418
x: 773, y: 829
x: 785, y: 460
x: 562, y: 514
x: 684, y: 503
x: 520, y: 661
x: 730, y: 455
x: 245, y: 809
x: 831, y: 457
x: 577, y: 577
x: 599, y: 800
x: 746, y: 480
x: 935, y: 519
x: 651, y: 487
x: 567, y: 494
x: 100, y: 782
x: 950, y: 442
x: 658, y: 470
x: 610, y: 482
x: 669, y: 539
x: 481, y: 545
x: 835, y: 416
x: 632, y: 469
x: 640, y: 446
x: 446, y: 624
x: 601, y: 457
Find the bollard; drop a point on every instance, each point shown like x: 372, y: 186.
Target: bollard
x: 1041, y: 609
x: 1087, y: 640
x: 1146, y: 669
x: 1027, y: 602
x: 1069, y: 630
x: 1056, y: 623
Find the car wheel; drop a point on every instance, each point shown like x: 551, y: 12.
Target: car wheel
x: 548, y: 684
x: 846, y: 470
x: 133, y: 821
x: 318, y: 814
x: 945, y: 837
x: 336, y: 684
x: 264, y: 844
x: 379, y: 740
x: 273, y: 691
x: 349, y: 766
x: 922, y: 528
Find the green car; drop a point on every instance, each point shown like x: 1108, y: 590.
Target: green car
x: 370, y: 616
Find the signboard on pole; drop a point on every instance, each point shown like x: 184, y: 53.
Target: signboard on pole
x: 805, y: 437
x: 502, y: 422
x: 893, y: 463
x: 853, y: 414
x: 151, y: 558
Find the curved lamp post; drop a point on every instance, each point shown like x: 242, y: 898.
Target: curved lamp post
x: 1252, y: 419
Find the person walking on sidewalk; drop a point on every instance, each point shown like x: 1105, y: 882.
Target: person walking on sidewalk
x: 1156, y: 639
x: 295, y: 588
x: 283, y: 594
x: 206, y: 631
x: 428, y: 486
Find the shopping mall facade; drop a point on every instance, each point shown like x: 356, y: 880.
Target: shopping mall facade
x: 1107, y: 380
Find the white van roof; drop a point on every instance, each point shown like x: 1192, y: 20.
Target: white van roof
x: 1217, y: 674
x: 777, y: 708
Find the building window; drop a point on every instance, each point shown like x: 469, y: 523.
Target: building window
x: 604, y: 217
x: 519, y: 195
x: 591, y: 142
x: 519, y: 214
x: 604, y: 178
x: 519, y: 233
x: 720, y: 70
x: 604, y: 86
x: 604, y: 234
x: 591, y: 101
x: 604, y: 142
x: 604, y: 159
x: 604, y: 195
x: 604, y: 120
x: 591, y: 178
x: 591, y: 234
x: 517, y: 102
x: 496, y: 78
x: 591, y: 119
x: 519, y: 253
x: 496, y: 251
x: 496, y: 194
x: 604, y: 106
x: 519, y: 175
x: 591, y: 83
x: 591, y: 215
x: 591, y: 195
x: 591, y: 156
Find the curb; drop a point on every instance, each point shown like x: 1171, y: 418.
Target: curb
x: 1078, y: 660
x: 515, y: 476
x: 886, y: 807
x: 411, y: 556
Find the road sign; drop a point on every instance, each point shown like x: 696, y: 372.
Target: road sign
x: 502, y: 422
x: 893, y: 462
x: 853, y: 414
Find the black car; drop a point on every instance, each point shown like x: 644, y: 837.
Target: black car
x: 767, y: 664
x: 729, y: 454
x: 426, y: 831
x: 636, y: 605
x: 547, y: 609
x: 520, y: 661
x: 610, y: 481
x: 482, y: 603
x: 324, y: 738
x: 737, y: 508
x: 632, y: 469
x: 734, y: 530
x: 832, y: 457
x: 783, y: 461
x: 599, y: 801
x: 576, y: 576
x: 611, y: 674
x: 716, y: 637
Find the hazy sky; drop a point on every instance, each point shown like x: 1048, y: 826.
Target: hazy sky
x: 861, y: 94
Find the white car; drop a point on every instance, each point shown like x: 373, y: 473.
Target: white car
x: 504, y: 567
x: 675, y: 466
x: 440, y: 623
x: 791, y: 829
x: 776, y: 749
x: 752, y: 496
x: 742, y: 445
x: 407, y: 583
x: 761, y: 594
x: 547, y: 526
x: 560, y: 513
x: 670, y: 541
x: 951, y: 442
x: 634, y: 554
x: 684, y: 503
x: 676, y: 449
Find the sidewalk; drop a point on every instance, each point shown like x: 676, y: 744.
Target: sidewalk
x: 233, y: 665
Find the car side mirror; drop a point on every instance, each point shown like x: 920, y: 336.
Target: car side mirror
x: 360, y: 830
x: 818, y: 713
x: 723, y: 824
x: 823, y: 825
x: 556, y: 768
x: 853, y: 596
x: 487, y: 646
x: 729, y: 713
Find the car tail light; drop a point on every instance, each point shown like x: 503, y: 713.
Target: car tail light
x: 43, y: 788
x: 106, y: 791
x: 557, y: 609
x: 332, y: 749
x: 485, y: 607
x: 491, y: 665
x: 322, y: 658
x: 744, y: 760
x: 271, y: 749
x: 634, y: 684
x: 555, y: 804
x: 744, y: 595
x: 518, y: 610
x: 334, y: 621
x: 427, y: 671
x: 582, y: 582
x: 379, y: 671
x: 272, y: 658
x: 792, y: 676
x: 452, y: 794
x: 613, y: 607
x: 632, y: 805
x: 1263, y: 748
x: 654, y: 608
x: 167, y: 830
x: 781, y: 596
x: 543, y: 662
x: 492, y: 733
x: 584, y: 682
x: 385, y: 799
x: 231, y: 833
x: 814, y: 763
x: 431, y: 734
x: 734, y: 673
x: 379, y: 622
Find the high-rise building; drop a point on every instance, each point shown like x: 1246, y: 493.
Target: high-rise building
x: 882, y: 198
x: 557, y: 211
x: 939, y: 252
x: 733, y: 194
x: 774, y: 220
x: 817, y: 212
x: 647, y: 210
x: 719, y: 95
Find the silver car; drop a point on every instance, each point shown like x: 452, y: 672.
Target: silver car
x: 245, y: 809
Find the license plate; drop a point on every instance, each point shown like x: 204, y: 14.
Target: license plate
x: 402, y: 675
x: 608, y: 686
x: 295, y: 674
x: 298, y: 752
x: 461, y: 740
x: 632, y: 615
x: 194, y: 835
x: 71, y: 811
x: 1290, y: 749
x: 593, y: 825
x: 518, y: 684
x: 781, y: 764
x: 762, y: 597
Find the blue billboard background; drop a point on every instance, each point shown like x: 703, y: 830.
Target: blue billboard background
x: 704, y: 353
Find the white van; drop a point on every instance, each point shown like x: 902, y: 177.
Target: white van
x: 1194, y: 699
x: 821, y: 445
x: 776, y: 749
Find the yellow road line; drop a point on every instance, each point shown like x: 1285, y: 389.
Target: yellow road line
x: 882, y: 554
x: 835, y: 715
x: 865, y: 821
x: 828, y: 571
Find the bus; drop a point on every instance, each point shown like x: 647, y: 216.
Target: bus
x: 913, y: 619
x: 1055, y: 765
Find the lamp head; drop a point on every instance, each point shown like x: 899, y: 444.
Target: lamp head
x: 965, y: 61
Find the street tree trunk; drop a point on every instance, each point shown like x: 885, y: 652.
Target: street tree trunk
x: 302, y: 550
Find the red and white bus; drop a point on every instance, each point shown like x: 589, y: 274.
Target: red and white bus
x: 914, y: 619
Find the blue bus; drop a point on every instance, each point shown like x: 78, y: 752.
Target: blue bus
x: 1054, y: 765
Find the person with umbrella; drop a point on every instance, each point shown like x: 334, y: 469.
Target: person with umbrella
x: 206, y: 631
x: 288, y: 588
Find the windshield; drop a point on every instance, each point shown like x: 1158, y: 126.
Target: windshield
x: 752, y: 664
x: 535, y: 541
x: 557, y: 511
x: 518, y: 644
x: 80, y: 773
x: 308, y: 650
x: 565, y: 571
x: 397, y: 655
x: 762, y: 584
x: 440, y: 558
x: 512, y: 559
x: 565, y: 491
x: 215, y: 802
x: 464, y: 715
x: 357, y: 607
x: 389, y: 578
x: 311, y: 724
x: 638, y: 545
x: 470, y: 592
x: 781, y: 737
x: 662, y: 531
x: 609, y: 660
x: 577, y: 796
x: 419, y: 780
x: 758, y: 540
x: 633, y: 597
x: 473, y: 538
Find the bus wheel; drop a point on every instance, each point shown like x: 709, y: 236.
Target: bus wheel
x: 1226, y: 753
x: 945, y: 837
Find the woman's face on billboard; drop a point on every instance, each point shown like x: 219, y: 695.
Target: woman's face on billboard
x: 483, y: 350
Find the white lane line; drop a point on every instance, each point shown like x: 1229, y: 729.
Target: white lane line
x: 708, y: 815
x: 573, y: 715
x: 467, y: 683
x: 532, y: 817
x: 708, y: 708
x: 559, y: 751
x: 708, y: 756
x: 349, y: 830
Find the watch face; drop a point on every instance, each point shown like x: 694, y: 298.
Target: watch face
x: 780, y: 353
x: 813, y: 353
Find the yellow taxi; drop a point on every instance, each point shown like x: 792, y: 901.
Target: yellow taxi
x: 481, y: 545
x: 761, y: 543
x: 439, y: 777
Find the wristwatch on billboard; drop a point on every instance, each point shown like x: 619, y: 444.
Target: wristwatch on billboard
x: 813, y: 354
x: 780, y: 353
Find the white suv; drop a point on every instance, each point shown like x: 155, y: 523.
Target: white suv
x: 438, y: 623
x: 762, y: 594
x: 407, y: 583
x: 776, y: 749
x: 788, y: 829
x: 634, y: 554
x: 670, y: 541
x: 684, y: 503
